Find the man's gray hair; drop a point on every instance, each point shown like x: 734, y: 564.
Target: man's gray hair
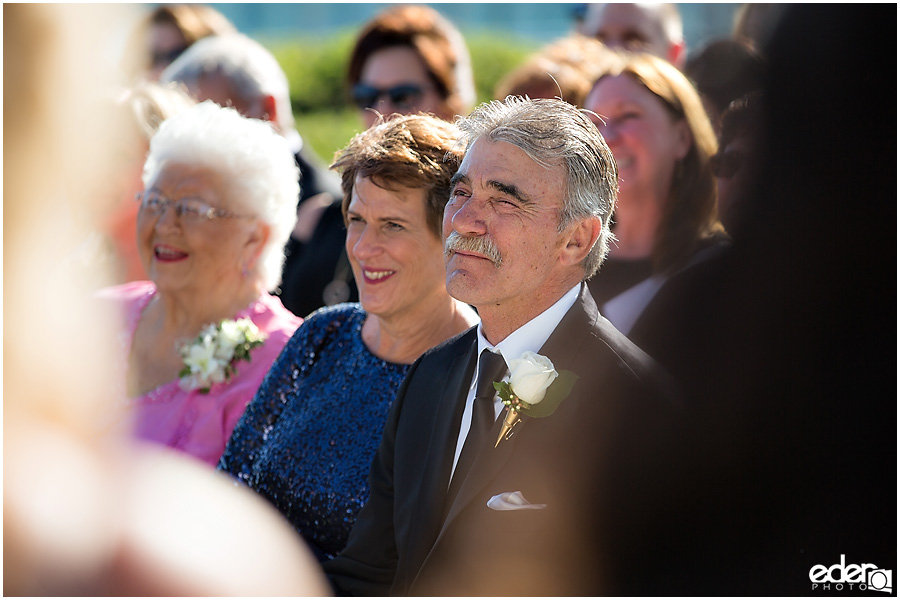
x: 251, y: 71
x: 555, y: 133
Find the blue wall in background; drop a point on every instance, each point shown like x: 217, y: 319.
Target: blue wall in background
x: 541, y: 22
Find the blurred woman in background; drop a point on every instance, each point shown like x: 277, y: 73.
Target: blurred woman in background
x: 166, y: 32
x: 410, y: 59
x: 219, y: 199
x: 308, y: 438
x: 655, y: 124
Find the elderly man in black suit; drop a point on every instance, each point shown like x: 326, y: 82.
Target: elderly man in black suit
x: 235, y: 70
x: 457, y: 510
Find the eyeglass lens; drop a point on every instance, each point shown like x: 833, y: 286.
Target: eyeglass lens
x: 401, y: 96
x: 191, y: 207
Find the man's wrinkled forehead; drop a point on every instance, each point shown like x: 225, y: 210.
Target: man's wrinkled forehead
x: 490, y: 141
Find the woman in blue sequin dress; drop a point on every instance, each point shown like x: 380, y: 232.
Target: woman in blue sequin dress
x: 307, y: 440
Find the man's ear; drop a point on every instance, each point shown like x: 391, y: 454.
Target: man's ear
x: 581, y: 237
x: 270, y: 110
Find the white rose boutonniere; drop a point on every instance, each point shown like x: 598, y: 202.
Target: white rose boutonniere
x: 211, y: 357
x: 534, y: 389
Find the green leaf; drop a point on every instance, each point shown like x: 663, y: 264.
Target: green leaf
x: 558, y: 391
x: 504, y: 391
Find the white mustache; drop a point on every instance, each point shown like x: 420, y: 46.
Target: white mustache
x: 481, y: 244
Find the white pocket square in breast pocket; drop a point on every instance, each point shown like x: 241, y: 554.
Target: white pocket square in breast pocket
x: 512, y: 501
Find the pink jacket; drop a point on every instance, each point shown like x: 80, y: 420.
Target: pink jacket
x: 196, y: 423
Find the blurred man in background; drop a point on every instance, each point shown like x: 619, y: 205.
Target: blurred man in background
x: 652, y: 27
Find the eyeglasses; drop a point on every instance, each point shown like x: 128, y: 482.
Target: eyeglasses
x: 188, y: 209
x: 403, y: 96
x: 725, y: 164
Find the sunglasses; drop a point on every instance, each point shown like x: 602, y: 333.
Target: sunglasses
x: 403, y: 96
x: 725, y: 164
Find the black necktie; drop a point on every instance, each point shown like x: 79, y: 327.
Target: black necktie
x: 491, y: 368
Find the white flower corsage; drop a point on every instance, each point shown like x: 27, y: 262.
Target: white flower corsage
x: 211, y: 357
x: 535, y: 389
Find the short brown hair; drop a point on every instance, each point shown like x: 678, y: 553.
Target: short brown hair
x: 567, y: 66
x: 414, y: 151
x: 438, y: 44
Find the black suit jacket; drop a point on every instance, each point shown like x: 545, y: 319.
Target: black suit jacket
x: 402, y: 544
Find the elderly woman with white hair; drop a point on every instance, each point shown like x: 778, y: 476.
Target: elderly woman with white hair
x: 218, y: 204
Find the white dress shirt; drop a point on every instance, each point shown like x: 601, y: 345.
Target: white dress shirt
x: 530, y: 336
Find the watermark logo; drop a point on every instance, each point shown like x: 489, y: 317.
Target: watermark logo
x: 842, y: 576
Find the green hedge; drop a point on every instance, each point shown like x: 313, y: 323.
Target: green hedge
x: 493, y: 56
x: 316, y: 68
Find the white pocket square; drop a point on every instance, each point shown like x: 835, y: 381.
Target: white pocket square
x: 512, y: 501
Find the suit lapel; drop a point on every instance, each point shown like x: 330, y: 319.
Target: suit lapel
x: 489, y: 462
x: 564, y: 344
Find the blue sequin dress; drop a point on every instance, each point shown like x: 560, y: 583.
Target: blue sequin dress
x: 308, y: 438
